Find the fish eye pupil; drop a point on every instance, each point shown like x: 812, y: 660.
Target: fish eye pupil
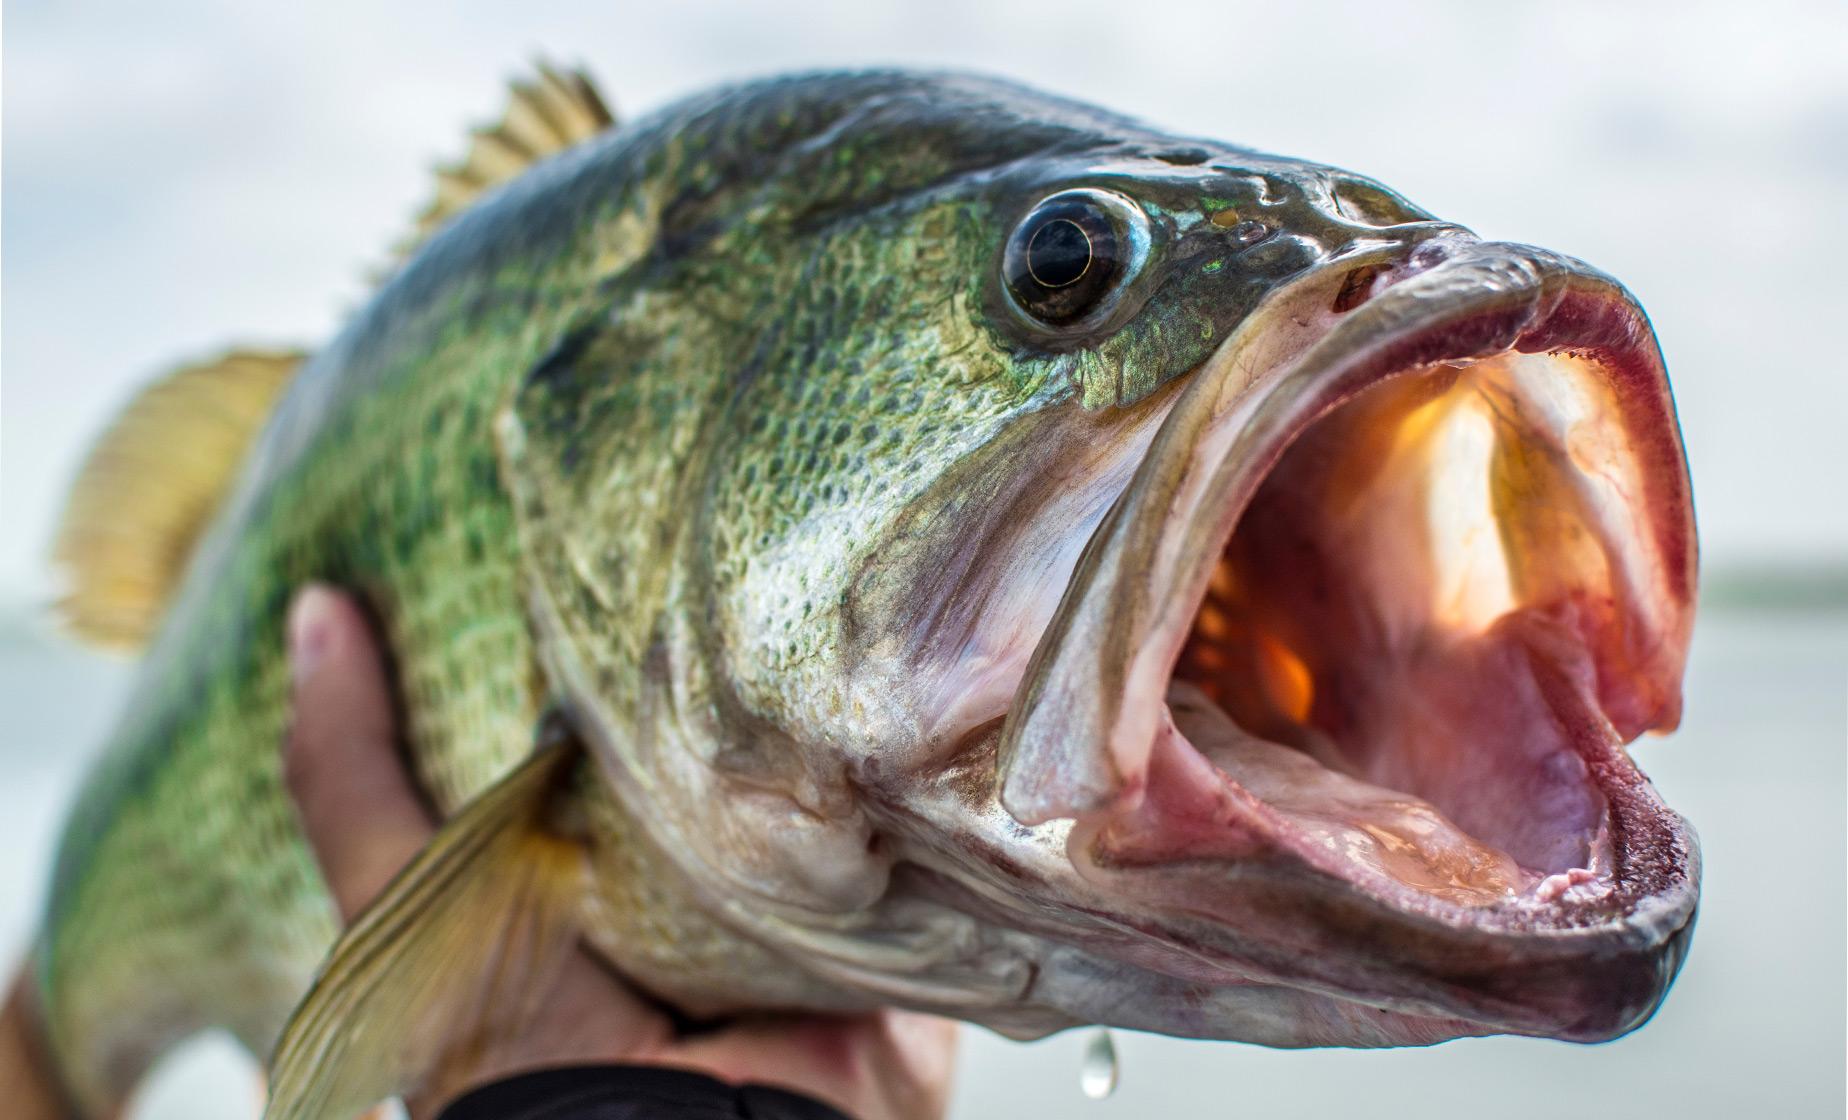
x: 1059, y: 253
x: 1063, y: 261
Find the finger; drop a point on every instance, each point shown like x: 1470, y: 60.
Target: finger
x: 591, y: 1018
x: 341, y: 762
x: 919, y: 1052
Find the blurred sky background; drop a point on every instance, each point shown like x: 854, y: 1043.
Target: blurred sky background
x: 191, y: 173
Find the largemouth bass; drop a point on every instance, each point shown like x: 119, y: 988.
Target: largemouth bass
x: 956, y: 548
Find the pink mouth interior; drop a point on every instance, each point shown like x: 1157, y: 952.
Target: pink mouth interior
x: 1417, y: 626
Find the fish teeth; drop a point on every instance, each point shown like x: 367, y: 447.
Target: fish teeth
x: 1553, y: 887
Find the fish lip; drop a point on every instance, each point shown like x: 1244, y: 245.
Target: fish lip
x: 1583, y: 975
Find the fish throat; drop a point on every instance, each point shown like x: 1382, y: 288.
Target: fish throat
x: 1397, y: 650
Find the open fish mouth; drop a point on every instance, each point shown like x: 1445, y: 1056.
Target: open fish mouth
x: 1340, y: 692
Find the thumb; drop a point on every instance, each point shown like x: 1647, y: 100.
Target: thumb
x: 341, y: 762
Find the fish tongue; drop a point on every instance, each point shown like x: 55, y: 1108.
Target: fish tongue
x: 1319, y: 810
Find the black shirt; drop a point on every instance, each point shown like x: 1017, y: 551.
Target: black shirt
x: 631, y: 1093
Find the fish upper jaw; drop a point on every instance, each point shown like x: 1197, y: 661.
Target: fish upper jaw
x: 1297, y: 723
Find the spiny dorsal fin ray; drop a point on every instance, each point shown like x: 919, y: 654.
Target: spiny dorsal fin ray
x: 557, y: 111
x: 151, y: 485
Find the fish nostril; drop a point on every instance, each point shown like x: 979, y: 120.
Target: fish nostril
x: 1184, y: 157
x: 1356, y: 288
x: 1245, y: 232
x: 1429, y: 255
x: 1250, y: 232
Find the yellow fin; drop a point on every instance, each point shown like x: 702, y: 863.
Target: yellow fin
x: 151, y: 485
x: 556, y: 111
x: 454, y: 956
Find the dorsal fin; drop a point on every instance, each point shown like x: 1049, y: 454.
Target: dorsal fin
x: 151, y: 485
x: 556, y: 111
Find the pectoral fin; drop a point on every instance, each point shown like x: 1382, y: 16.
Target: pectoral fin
x: 450, y: 959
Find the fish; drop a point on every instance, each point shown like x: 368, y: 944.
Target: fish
x: 894, y: 538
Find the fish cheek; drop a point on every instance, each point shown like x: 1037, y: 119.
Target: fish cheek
x: 602, y: 449
x: 877, y: 387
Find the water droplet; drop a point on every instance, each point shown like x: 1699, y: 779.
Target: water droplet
x: 1097, y: 1074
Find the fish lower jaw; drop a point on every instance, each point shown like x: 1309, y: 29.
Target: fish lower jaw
x: 1285, y: 864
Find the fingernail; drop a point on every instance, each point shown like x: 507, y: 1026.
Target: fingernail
x: 310, y: 629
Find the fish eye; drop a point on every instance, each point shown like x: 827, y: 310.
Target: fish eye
x: 1071, y: 254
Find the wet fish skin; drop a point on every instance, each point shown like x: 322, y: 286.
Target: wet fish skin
x: 708, y: 432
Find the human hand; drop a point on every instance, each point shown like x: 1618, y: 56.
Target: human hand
x: 364, y: 821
